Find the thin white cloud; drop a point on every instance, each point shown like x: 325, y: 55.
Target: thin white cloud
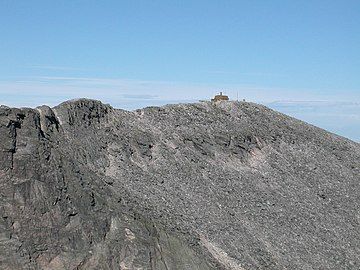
x: 245, y: 74
x: 306, y: 104
x: 53, y: 89
x: 50, y: 67
x: 141, y: 97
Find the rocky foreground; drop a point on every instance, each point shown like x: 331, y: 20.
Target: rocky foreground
x: 231, y: 185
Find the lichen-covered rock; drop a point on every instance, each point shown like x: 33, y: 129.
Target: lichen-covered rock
x: 227, y: 185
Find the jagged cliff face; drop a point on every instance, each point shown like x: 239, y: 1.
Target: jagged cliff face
x: 197, y: 186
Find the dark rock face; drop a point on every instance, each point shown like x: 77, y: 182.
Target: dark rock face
x: 198, y: 186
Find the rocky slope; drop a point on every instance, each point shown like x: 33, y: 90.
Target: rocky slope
x: 231, y: 185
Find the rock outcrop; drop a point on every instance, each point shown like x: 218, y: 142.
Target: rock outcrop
x: 230, y: 185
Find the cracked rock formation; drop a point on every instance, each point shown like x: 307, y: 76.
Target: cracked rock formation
x: 227, y: 185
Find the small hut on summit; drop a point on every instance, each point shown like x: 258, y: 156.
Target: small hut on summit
x: 220, y: 97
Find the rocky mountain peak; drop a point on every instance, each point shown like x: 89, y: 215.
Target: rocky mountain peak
x: 226, y: 185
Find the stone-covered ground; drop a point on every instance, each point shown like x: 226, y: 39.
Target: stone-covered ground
x: 231, y: 185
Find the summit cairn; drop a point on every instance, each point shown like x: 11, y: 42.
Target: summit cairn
x: 220, y: 97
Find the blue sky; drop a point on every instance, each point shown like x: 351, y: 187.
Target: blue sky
x: 137, y: 53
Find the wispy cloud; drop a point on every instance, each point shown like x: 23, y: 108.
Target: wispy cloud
x: 51, y: 90
x: 145, y: 97
x: 244, y: 74
x: 50, y: 67
x: 117, y: 91
x: 330, y: 112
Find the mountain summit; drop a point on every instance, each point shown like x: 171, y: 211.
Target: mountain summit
x: 226, y: 185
